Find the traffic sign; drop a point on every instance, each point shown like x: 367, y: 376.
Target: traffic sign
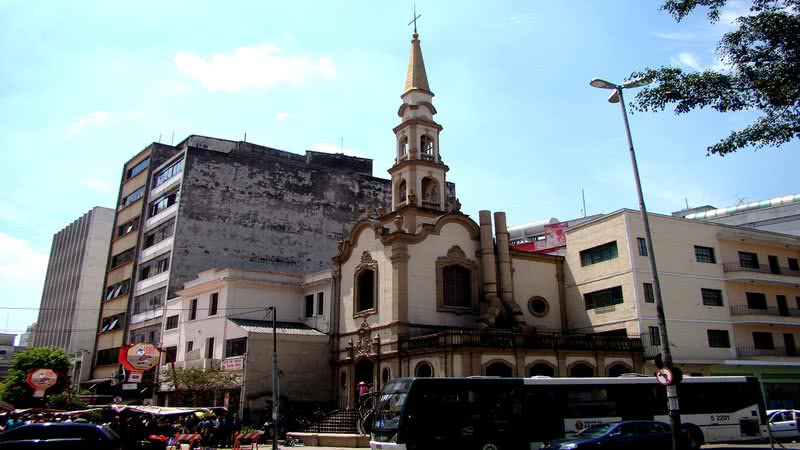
x: 664, y: 376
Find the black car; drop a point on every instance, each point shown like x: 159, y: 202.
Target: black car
x: 643, y: 434
x: 61, y: 436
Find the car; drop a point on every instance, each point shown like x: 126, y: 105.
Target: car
x: 60, y: 436
x: 628, y: 435
x: 784, y: 423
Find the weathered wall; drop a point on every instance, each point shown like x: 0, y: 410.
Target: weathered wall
x: 257, y: 208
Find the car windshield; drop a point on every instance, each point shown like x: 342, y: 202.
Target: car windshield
x: 595, y: 430
x: 389, y: 411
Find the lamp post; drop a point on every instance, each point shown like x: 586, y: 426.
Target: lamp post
x: 672, y: 389
x: 275, y: 398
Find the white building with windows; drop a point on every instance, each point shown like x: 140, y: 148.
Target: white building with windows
x: 220, y: 320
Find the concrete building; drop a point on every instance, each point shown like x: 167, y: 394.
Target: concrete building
x: 779, y: 214
x: 212, y: 203
x: 26, y: 338
x: 74, y: 284
x: 731, y: 294
x: 7, y: 350
x: 220, y: 321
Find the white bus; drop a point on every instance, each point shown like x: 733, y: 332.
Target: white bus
x: 523, y: 413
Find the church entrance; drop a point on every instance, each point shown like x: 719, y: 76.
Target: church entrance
x: 364, y: 371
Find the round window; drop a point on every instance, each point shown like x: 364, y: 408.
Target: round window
x: 538, y: 306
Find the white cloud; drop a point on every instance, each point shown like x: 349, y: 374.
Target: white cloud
x: 675, y: 35
x: 284, y: 116
x: 252, y: 67
x: 99, y: 118
x: 732, y: 11
x: 331, y: 148
x: 687, y: 60
x: 20, y: 264
x: 11, y: 214
x: 97, y: 184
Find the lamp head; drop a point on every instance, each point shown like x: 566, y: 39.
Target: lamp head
x: 614, y: 97
x: 636, y: 82
x: 602, y: 84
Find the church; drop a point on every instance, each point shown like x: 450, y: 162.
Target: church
x: 425, y: 291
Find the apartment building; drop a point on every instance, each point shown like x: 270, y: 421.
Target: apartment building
x: 220, y: 320
x: 7, y: 350
x: 779, y: 214
x: 731, y: 294
x: 212, y: 203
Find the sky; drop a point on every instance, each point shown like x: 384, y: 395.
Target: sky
x: 85, y: 85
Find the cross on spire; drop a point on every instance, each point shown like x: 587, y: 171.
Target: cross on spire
x: 414, y: 20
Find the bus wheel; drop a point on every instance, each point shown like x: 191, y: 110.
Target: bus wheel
x: 489, y: 446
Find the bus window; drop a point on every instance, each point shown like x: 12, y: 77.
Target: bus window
x: 590, y: 402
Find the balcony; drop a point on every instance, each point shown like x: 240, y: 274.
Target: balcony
x: 146, y: 315
x: 152, y: 283
x: 780, y: 275
x: 752, y: 352
x: 511, y: 339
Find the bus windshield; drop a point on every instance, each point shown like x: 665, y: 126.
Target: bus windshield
x: 390, y: 407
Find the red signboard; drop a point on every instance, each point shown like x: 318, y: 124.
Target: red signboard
x: 40, y: 380
x: 139, y: 358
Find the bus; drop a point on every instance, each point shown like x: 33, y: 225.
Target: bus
x: 491, y: 413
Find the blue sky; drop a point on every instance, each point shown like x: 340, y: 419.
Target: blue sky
x: 85, y: 85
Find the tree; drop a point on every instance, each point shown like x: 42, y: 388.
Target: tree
x: 14, y: 388
x: 199, y: 387
x: 762, y: 73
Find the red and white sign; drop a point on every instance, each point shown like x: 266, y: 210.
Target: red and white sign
x: 41, y: 380
x: 139, y: 358
x: 664, y: 376
x: 233, y: 364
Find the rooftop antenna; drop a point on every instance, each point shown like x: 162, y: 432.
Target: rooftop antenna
x: 341, y: 144
x: 686, y: 199
x: 159, y: 138
x: 583, y: 199
x: 172, y: 139
x: 245, y: 137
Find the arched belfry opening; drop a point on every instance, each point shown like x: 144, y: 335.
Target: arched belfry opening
x: 431, y: 194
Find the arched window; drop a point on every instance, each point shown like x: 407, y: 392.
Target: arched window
x: 401, y: 191
x: 365, y: 284
x: 581, y: 370
x: 386, y: 375
x: 618, y: 369
x: 499, y: 369
x: 423, y: 370
x: 430, y: 193
x: 457, y: 286
x: 343, y: 380
x: 541, y: 369
x: 426, y: 147
x: 403, y: 144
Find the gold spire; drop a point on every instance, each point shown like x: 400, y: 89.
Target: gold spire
x: 416, y: 78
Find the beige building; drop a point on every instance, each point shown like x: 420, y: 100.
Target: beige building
x: 731, y: 294
x: 424, y: 291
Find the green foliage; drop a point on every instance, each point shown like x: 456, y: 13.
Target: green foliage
x: 63, y: 402
x: 761, y: 72
x: 15, y: 390
x: 198, y: 387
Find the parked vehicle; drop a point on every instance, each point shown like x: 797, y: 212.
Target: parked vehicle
x: 633, y: 435
x: 60, y: 436
x: 784, y: 423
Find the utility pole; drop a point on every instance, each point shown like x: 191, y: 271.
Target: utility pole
x: 275, y: 398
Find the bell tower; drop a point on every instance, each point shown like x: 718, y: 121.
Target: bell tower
x: 418, y: 174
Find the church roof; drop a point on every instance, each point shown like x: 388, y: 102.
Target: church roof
x: 265, y: 327
x: 416, y: 77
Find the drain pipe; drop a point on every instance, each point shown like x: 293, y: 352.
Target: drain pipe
x: 513, y: 310
x: 495, y: 307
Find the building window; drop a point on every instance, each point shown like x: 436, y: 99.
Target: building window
x: 649, y: 296
x: 162, y: 232
x: 541, y: 370
x: 366, y: 290
x: 150, y: 301
x: 193, y: 309
x: 719, y: 339
x: 235, y: 347
x: 538, y: 306
x: 642, y: 246
x: 132, y: 197
x: 171, y: 353
x: 137, y: 169
x: 457, y: 286
x: 147, y: 334
x: 320, y: 303
x: 127, y: 227
x: 423, y: 370
x: 309, y: 305
x: 210, y: 348
x: 756, y: 300
x: 499, y: 369
x: 189, y: 346
x: 794, y: 265
x: 605, y: 297
x: 172, y: 322
x: 154, y: 267
x: 112, y: 323
x: 581, y: 370
x: 403, y: 144
x: 426, y: 144
x: 748, y: 260
x: 763, y: 341
x: 213, y: 304
x: 121, y: 258
x: 386, y: 375
x: 655, y: 336
x: 163, y: 202
x: 704, y: 254
x: 168, y: 172
x: 108, y: 356
x: 118, y: 289
x: 711, y: 297
x: 598, y: 254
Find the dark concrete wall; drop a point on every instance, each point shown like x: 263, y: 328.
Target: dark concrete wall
x: 257, y: 208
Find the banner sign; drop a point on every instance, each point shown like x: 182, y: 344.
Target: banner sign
x: 41, y: 380
x: 232, y: 364
x: 139, y: 358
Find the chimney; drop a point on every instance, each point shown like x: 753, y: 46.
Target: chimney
x: 504, y: 264
x: 488, y: 267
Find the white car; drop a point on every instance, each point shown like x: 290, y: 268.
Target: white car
x: 784, y: 423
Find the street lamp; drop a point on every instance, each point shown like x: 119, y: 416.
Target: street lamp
x: 672, y: 389
x: 275, y: 398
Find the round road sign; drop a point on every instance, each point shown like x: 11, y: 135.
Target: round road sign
x: 664, y: 376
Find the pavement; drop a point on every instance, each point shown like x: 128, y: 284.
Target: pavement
x: 789, y: 446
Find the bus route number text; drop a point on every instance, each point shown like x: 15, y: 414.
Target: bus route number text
x: 720, y: 418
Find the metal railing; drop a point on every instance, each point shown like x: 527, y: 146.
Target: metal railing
x: 509, y: 339
x: 751, y: 352
x: 759, y: 268
x: 744, y: 310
